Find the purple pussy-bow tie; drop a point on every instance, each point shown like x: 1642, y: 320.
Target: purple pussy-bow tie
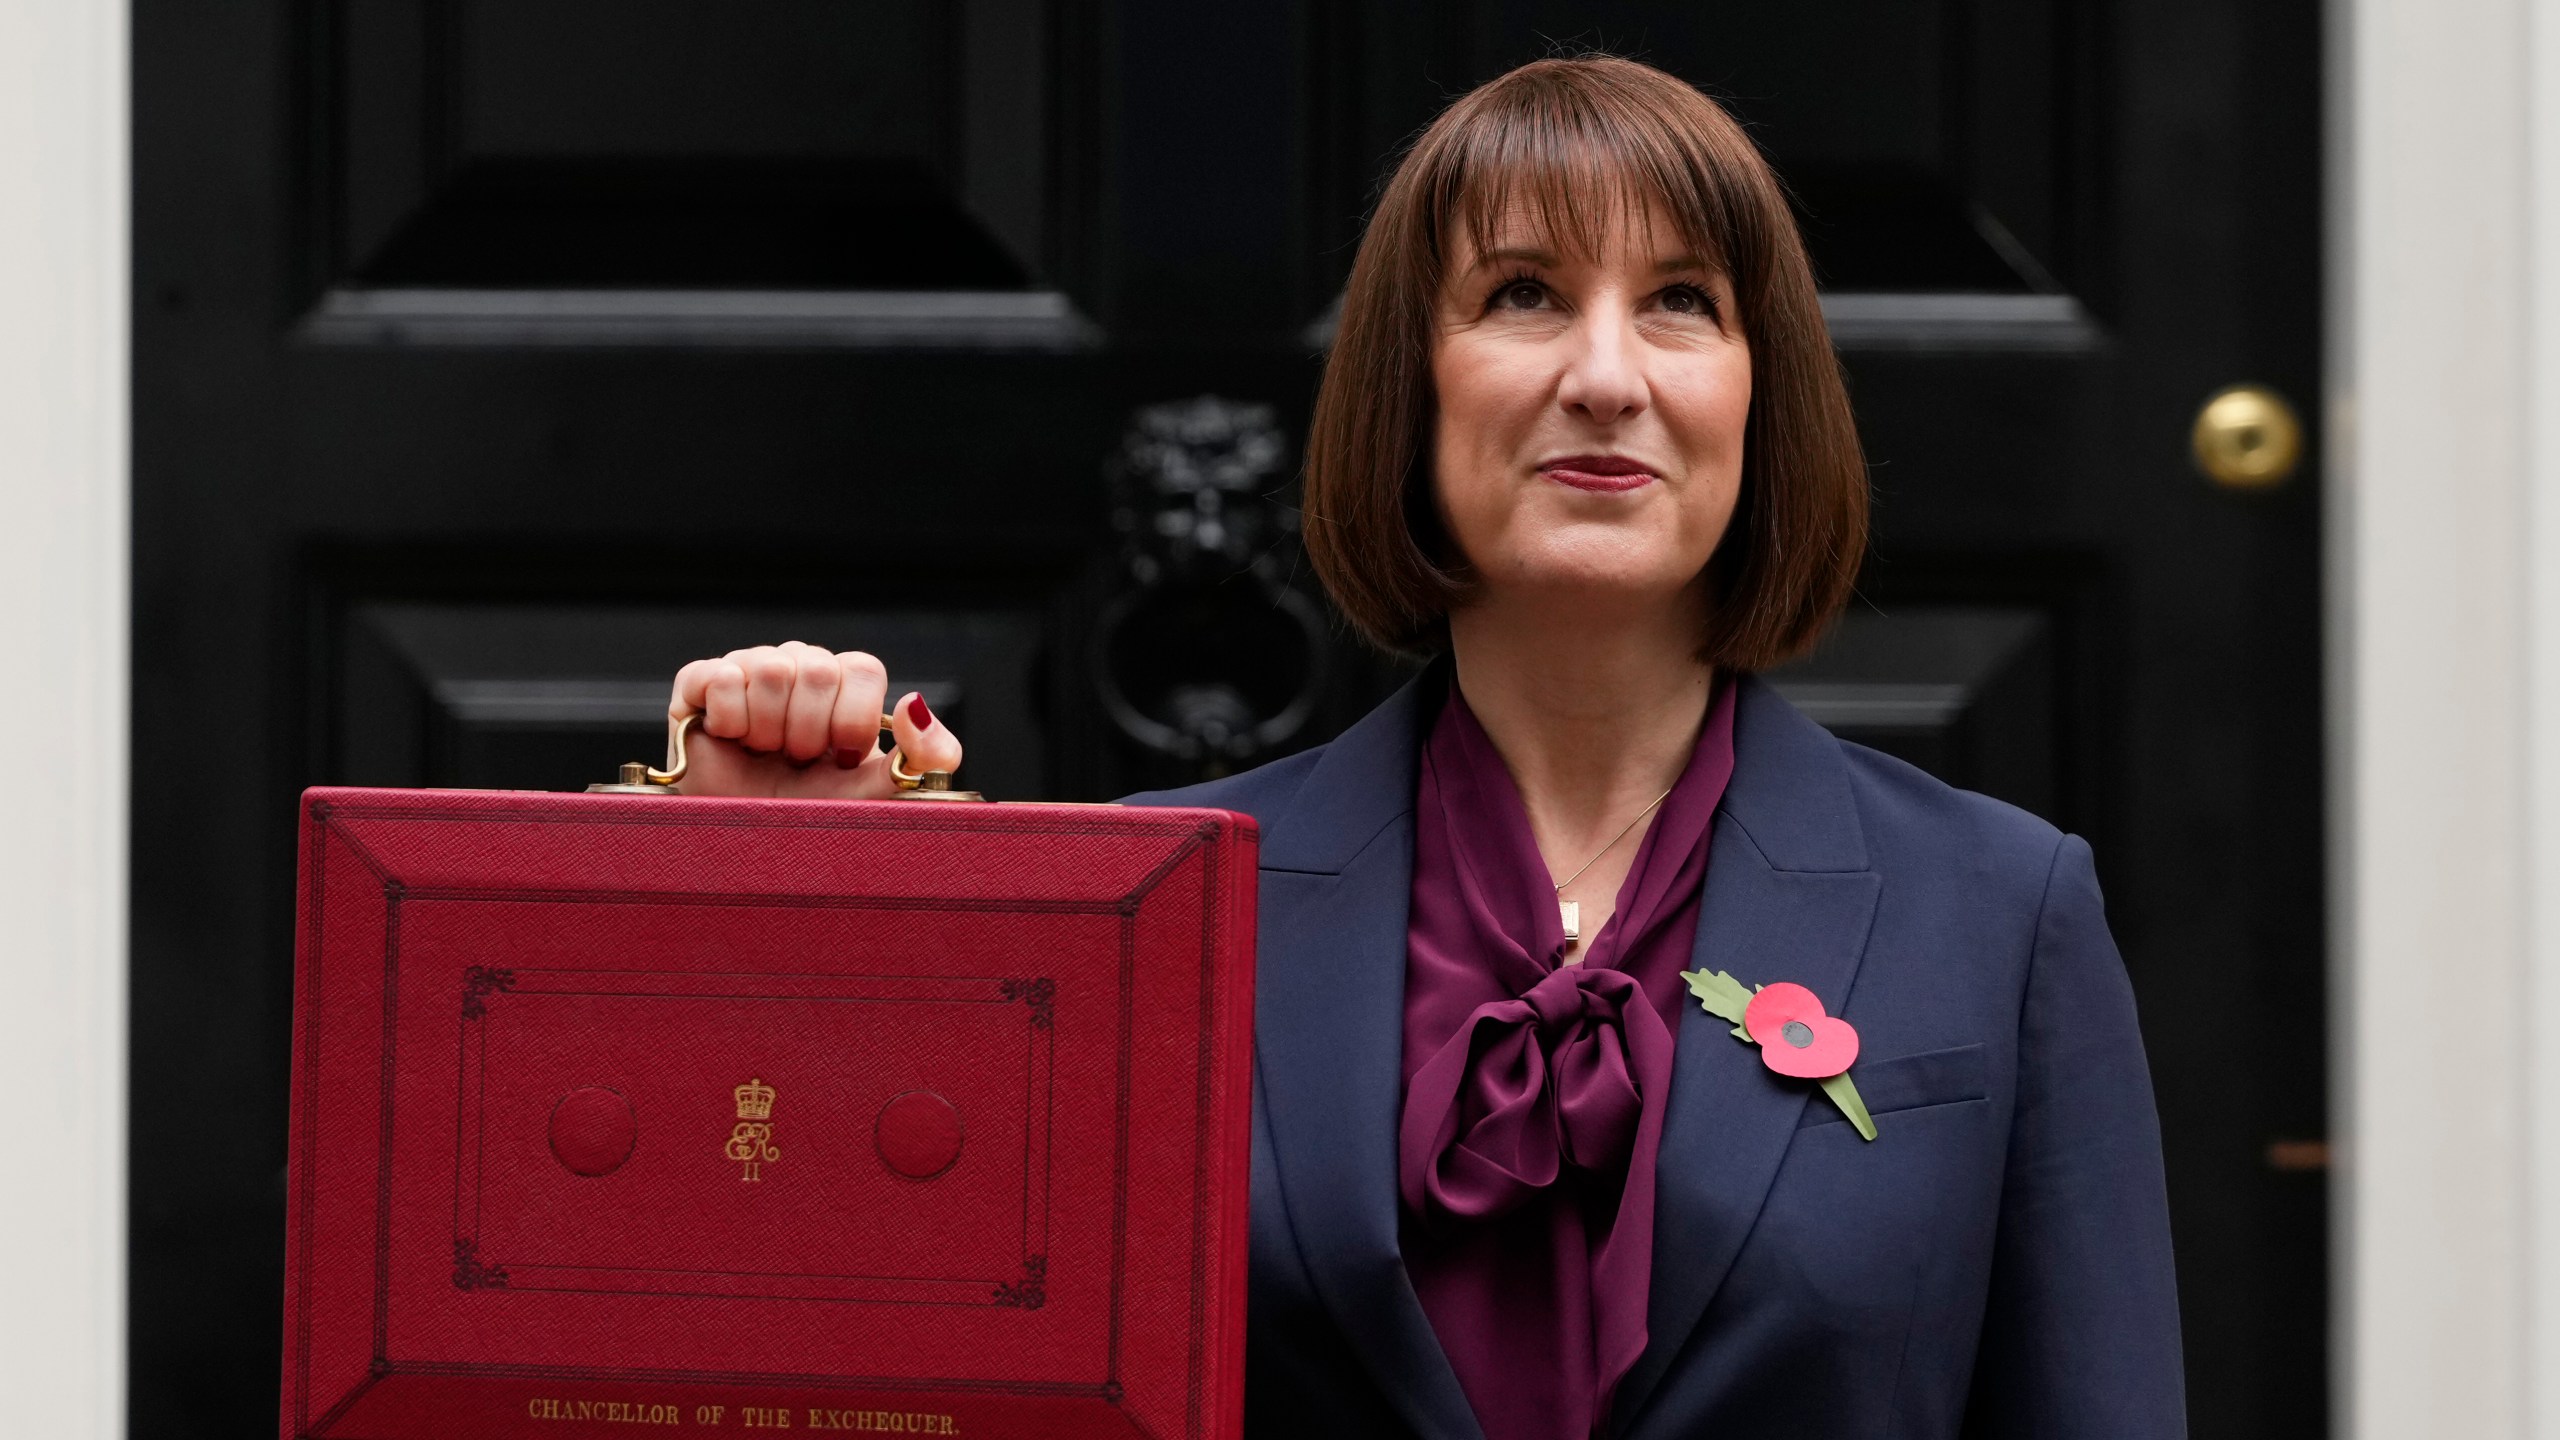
x: 1526, y: 1088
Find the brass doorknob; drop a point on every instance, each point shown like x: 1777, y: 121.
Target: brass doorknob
x: 2247, y: 437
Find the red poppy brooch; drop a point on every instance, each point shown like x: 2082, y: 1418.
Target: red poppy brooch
x: 1795, y: 1036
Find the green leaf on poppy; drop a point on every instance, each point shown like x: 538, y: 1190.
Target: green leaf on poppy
x: 1719, y: 994
x: 1844, y: 1093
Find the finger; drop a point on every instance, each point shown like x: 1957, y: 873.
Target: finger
x: 724, y: 698
x: 691, y: 695
x: 807, y: 722
x: 926, y: 741
x: 856, y: 724
x: 769, y: 675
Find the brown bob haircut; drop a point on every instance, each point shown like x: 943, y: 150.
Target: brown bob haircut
x: 1578, y: 144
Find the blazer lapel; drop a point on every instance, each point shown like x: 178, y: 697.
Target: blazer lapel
x: 1789, y: 896
x: 1337, y: 876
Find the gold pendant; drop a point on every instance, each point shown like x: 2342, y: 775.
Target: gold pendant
x: 1572, y: 910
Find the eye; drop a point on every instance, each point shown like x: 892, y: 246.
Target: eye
x: 1688, y: 300
x: 1520, y: 292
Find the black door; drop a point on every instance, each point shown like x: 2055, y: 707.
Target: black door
x: 495, y: 355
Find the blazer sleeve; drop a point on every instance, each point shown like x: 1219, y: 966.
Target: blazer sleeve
x: 2080, y: 1337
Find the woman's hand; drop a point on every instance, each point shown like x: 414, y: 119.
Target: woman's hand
x: 799, y: 722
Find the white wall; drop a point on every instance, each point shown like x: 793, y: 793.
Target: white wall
x: 62, y: 717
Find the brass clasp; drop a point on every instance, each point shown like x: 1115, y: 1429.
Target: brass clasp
x: 639, y: 779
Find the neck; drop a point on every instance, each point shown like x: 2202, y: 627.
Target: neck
x: 1595, y: 713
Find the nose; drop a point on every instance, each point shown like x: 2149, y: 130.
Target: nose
x: 1604, y: 377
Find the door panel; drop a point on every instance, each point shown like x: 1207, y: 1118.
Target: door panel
x: 504, y: 162
x: 1935, y: 146
x: 1967, y: 693
x: 532, y: 696
x: 493, y: 358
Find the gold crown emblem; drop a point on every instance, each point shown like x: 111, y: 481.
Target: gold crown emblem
x: 755, y: 1100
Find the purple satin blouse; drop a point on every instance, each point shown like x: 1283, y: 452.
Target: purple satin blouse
x: 1534, y: 1090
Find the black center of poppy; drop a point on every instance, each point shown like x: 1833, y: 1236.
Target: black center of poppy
x: 1796, y: 1033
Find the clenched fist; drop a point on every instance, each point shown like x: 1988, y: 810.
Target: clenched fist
x: 799, y: 722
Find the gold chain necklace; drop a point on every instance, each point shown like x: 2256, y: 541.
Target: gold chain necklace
x: 1571, y: 910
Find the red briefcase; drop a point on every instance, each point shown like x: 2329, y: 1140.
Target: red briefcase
x: 735, y: 1116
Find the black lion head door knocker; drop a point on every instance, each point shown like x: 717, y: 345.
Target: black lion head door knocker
x: 1206, y: 653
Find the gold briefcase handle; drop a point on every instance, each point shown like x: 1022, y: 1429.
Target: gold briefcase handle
x: 639, y: 779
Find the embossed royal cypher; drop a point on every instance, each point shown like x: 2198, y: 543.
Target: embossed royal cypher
x: 617, y: 1111
x: 751, y: 1142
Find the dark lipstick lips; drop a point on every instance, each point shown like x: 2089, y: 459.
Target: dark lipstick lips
x: 1607, y: 474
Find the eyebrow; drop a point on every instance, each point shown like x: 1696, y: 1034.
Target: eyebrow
x: 1529, y: 253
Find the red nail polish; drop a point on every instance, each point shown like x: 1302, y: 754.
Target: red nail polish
x: 847, y: 757
x: 919, y: 714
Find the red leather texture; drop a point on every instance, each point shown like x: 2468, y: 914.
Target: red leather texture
x: 620, y: 1114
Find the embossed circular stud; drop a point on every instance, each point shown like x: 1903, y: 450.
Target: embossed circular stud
x: 593, y: 1130
x: 918, y: 1134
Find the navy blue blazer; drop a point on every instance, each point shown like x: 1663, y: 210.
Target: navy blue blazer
x: 1995, y: 1263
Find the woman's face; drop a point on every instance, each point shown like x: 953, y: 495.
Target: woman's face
x: 1591, y: 410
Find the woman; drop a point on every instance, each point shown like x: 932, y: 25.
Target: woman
x: 1583, y: 434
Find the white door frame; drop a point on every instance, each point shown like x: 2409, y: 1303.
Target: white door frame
x: 2443, y: 509
x: 63, y: 657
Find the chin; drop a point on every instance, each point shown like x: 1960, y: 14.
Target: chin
x: 1595, y: 567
